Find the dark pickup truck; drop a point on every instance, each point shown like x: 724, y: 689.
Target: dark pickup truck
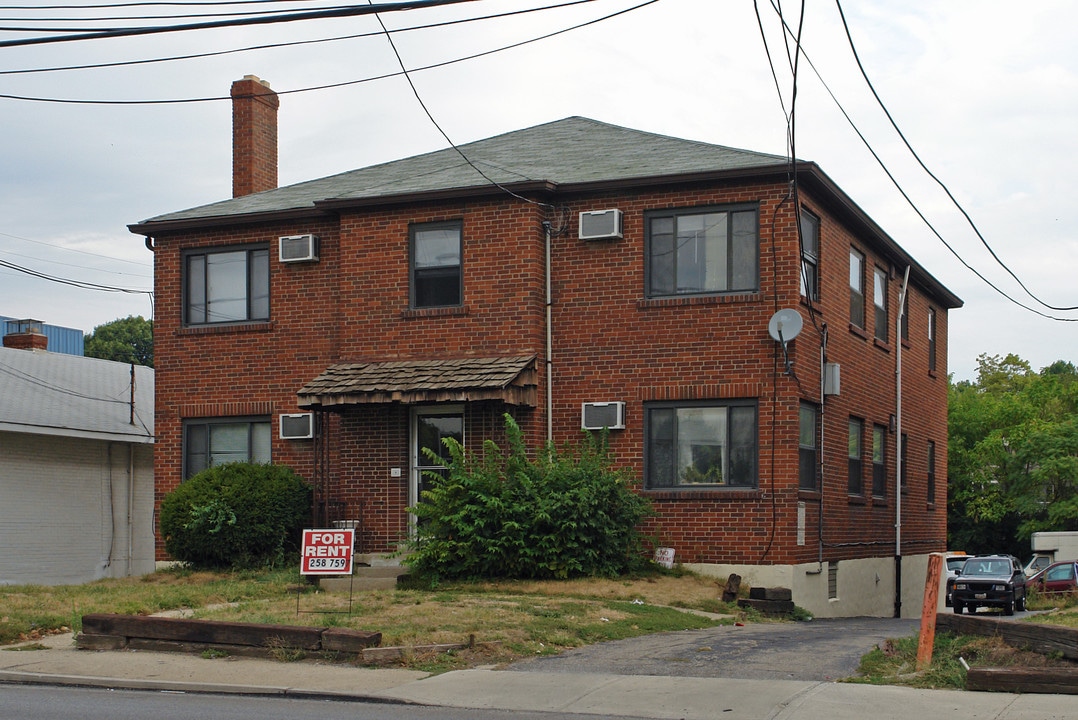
x: 990, y: 581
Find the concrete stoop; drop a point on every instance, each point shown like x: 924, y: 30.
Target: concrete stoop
x: 381, y: 577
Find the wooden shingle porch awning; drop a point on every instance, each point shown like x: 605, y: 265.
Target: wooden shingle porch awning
x: 509, y: 379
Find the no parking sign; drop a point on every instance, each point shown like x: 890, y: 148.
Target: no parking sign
x: 327, y: 552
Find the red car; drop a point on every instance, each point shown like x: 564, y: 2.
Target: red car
x: 1060, y: 577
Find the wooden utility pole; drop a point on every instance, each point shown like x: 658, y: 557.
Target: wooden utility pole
x: 928, y: 611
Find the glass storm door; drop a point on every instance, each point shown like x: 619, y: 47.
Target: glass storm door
x: 430, y: 426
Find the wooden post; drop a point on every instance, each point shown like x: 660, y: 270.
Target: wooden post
x: 928, y: 611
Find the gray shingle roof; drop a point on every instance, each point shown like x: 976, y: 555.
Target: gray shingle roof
x: 47, y: 393
x: 564, y: 152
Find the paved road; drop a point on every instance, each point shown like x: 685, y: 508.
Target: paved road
x: 817, y: 650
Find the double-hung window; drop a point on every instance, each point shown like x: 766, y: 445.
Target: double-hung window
x: 879, y: 297
x: 700, y: 444
x: 810, y: 255
x: 854, y: 454
x: 931, y: 339
x: 215, y: 441
x: 226, y: 285
x: 931, y: 462
x: 879, y: 461
x: 436, y: 278
x: 857, y: 288
x: 807, y: 444
x: 702, y: 251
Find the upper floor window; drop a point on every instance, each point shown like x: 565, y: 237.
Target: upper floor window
x: 857, y: 288
x: 223, y: 286
x: 879, y: 461
x: 810, y: 255
x: 436, y: 278
x: 696, y: 251
x: 216, y: 441
x: 931, y: 339
x: 879, y: 298
x: 854, y: 454
x: 807, y: 444
x: 696, y: 445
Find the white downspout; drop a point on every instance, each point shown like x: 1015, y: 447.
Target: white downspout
x: 549, y: 344
x: 898, y: 443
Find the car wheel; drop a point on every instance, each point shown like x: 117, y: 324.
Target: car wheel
x: 957, y: 607
x: 1008, y: 607
x: 1021, y: 604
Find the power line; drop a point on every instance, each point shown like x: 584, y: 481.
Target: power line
x: 72, y: 250
x: 344, y: 83
x: 334, y: 13
x: 293, y: 43
x: 906, y: 196
x: 924, y: 167
x: 73, y: 283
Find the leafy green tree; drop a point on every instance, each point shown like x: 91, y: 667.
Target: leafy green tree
x: 1013, y: 454
x: 127, y: 340
x: 503, y: 515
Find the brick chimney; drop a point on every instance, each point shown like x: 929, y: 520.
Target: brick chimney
x: 28, y: 335
x: 254, y: 136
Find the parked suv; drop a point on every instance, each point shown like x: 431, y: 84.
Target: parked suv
x: 990, y: 581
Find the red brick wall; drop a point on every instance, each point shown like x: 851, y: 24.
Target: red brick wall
x: 610, y: 343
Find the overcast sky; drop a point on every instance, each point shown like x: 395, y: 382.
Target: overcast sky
x: 985, y: 92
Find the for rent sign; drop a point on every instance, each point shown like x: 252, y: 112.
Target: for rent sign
x: 327, y: 552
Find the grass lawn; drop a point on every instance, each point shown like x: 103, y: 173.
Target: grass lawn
x: 520, y: 618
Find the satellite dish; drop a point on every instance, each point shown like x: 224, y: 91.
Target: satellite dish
x: 784, y: 325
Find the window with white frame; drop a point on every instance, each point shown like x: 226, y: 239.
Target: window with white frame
x: 226, y: 285
x: 216, y: 441
x: 436, y: 277
x: 807, y: 447
x: 857, y: 288
x: 931, y: 339
x: 879, y: 297
x: 701, y: 251
x: 700, y: 445
x: 931, y: 461
x: 879, y: 461
x: 855, y: 455
x: 810, y: 255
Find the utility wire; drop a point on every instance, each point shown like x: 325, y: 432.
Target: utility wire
x: 344, y: 83
x: 114, y: 18
x: 291, y: 17
x: 924, y: 167
x: 909, y: 200
x: 73, y: 283
x: 294, y: 43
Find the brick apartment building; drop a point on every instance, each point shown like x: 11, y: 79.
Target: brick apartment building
x: 567, y: 274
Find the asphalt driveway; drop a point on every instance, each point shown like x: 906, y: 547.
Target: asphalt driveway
x: 828, y: 649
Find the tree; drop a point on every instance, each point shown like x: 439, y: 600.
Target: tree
x: 1013, y: 454
x: 127, y: 340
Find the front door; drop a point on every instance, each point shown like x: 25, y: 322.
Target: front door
x: 430, y: 426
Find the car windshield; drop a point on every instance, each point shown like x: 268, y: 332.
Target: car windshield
x: 955, y: 564
x: 986, y: 567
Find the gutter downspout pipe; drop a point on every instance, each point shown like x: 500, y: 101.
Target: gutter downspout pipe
x: 898, y: 445
x: 549, y: 341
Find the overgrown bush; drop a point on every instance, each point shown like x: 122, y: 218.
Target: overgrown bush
x: 237, y: 515
x: 565, y: 514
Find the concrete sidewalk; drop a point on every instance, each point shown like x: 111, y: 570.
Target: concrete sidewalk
x: 692, y: 698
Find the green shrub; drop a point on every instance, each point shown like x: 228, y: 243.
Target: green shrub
x: 566, y: 514
x: 238, y: 515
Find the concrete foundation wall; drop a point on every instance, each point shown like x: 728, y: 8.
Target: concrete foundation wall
x: 863, y: 588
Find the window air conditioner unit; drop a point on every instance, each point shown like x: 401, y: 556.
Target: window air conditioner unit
x: 600, y: 224
x: 297, y: 426
x: 298, y: 248
x: 599, y: 415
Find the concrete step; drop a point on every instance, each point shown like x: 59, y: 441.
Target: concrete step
x: 364, y: 578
